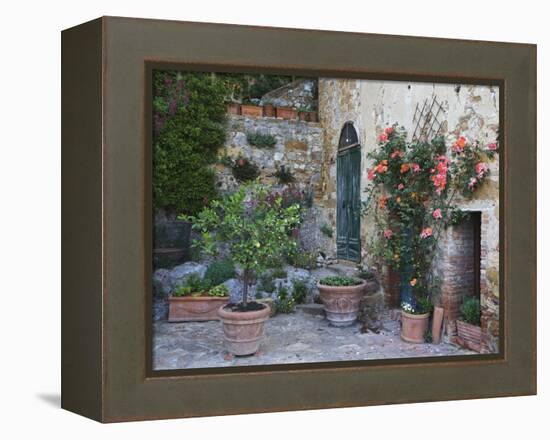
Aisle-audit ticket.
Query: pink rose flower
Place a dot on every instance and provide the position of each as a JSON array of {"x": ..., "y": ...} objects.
[
  {"x": 388, "y": 234},
  {"x": 383, "y": 137},
  {"x": 426, "y": 232},
  {"x": 415, "y": 168},
  {"x": 437, "y": 214},
  {"x": 492, "y": 146},
  {"x": 371, "y": 175},
  {"x": 389, "y": 130},
  {"x": 400, "y": 186}
]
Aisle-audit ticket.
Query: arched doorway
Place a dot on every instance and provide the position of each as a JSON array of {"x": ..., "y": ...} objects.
[{"x": 348, "y": 197}]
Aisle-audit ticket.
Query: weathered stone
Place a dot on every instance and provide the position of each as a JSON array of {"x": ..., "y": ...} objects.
[
  {"x": 312, "y": 309},
  {"x": 162, "y": 283},
  {"x": 296, "y": 145},
  {"x": 179, "y": 274}
]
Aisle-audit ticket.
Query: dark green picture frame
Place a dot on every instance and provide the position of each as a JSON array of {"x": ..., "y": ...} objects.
[{"x": 106, "y": 215}]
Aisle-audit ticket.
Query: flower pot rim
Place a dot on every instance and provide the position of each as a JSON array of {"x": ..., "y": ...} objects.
[
  {"x": 249, "y": 315},
  {"x": 197, "y": 298},
  {"x": 467, "y": 323},
  {"x": 355, "y": 286},
  {"x": 415, "y": 316}
]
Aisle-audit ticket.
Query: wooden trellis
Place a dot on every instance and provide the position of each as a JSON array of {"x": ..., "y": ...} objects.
[{"x": 428, "y": 120}]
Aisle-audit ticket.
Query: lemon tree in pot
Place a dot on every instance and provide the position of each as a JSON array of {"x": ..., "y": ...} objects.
[{"x": 256, "y": 228}]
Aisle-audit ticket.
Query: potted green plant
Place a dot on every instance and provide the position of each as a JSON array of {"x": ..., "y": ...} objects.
[
  {"x": 255, "y": 228},
  {"x": 415, "y": 320},
  {"x": 196, "y": 300},
  {"x": 340, "y": 297},
  {"x": 468, "y": 326}
]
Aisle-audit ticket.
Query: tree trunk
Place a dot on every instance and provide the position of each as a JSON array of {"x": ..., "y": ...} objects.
[{"x": 245, "y": 286}]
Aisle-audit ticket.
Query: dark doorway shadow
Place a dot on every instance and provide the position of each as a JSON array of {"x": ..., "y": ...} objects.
[{"x": 51, "y": 399}]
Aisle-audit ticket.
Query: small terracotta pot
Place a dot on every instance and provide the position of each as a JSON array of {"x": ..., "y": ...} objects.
[
  {"x": 234, "y": 108},
  {"x": 302, "y": 116},
  {"x": 341, "y": 302},
  {"x": 287, "y": 113},
  {"x": 252, "y": 110},
  {"x": 200, "y": 308},
  {"x": 414, "y": 327},
  {"x": 243, "y": 331},
  {"x": 312, "y": 117},
  {"x": 269, "y": 110},
  {"x": 468, "y": 335}
]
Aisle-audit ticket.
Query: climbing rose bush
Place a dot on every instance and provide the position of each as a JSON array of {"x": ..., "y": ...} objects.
[{"x": 411, "y": 189}]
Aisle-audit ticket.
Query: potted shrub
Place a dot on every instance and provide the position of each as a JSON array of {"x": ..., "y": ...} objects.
[
  {"x": 254, "y": 227},
  {"x": 248, "y": 108},
  {"x": 468, "y": 326},
  {"x": 415, "y": 319},
  {"x": 286, "y": 113},
  {"x": 196, "y": 301},
  {"x": 340, "y": 297}
]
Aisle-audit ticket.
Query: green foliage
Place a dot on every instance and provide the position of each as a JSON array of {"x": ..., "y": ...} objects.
[
  {"x": 247, "y": 87},
  {"x": 189, "y": 126},
  {"x": 470, "y": 311},
  {"x": 366, "y": 275},
  {"x": 339, "y": 281},
  {"x": 299, "y": 291},
  {"x": 182, "y": 291},
  {"x": 303, "y": 259},
  {"x": 220, "y": 271},
  {"x": 266, "y": 284},
  {"x": 254, "y": 227},
  {"x": 261, "y": 140},
  {"x": 244, "y": 170},
  {"x": 285, "y": 302},
  {"x": 279, "y": 272},
  {"x": 326, "y": 230},
  {"x": 220, "y": 290},
  {"x": 284, "y": 175},
  {"x": 193, "y": 286}
]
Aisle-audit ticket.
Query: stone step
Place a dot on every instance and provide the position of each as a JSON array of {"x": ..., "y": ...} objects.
[{"x": 311, "y": 309}]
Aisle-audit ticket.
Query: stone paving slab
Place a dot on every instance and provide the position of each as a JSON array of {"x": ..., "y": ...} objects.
[{"x": 294, "y": 338}]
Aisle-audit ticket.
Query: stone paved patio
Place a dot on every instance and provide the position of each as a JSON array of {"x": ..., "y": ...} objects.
[{"x": 293, "y": 338}]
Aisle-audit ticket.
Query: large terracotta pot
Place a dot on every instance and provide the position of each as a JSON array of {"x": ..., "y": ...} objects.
[
  {"x": 234, "y": 108},
  {"x": 287, "y": 113},
  {"x": 269, "y": 110},
  {"x": 414, "y": 327},
  {"x": 243, "y": 331},
  {"x": 468, "y": 335},
  {"x": 199, "y": 308},
  {"x": 341, "y": 302}
]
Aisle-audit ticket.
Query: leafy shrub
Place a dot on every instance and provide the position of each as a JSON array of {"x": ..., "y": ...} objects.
[
  {"x": 302, "y": 259},
  {"x": 299, "y": 291},
  {"x": 366, "y": 274},
  {"x": 470, "y": 311},
  {"x": 266, "y": 284},
  {"x": 284, "y": 175},
  {"x": 279, "y": 273},
  {"x": 285, "y": 301},
  {"x": 244, "y": 170},
  {"x": 220, "y": 290},
  {"x": 261, "y": 140},
  {"x": 326, "y": 229},
  {"x": 338, "y": 281},
  {"x": 220, "y": 271},
  {"x": 189, "y": 127}
]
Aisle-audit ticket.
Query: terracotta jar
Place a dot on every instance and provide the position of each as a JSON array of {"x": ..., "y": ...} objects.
[
  {"x": 252, "y": 110},
  {"x": 341, "y": 302},
  {"x": 234, "y": 108},
  {"x": 414, "y": 327},
  {"x": 468, "y": 335},
  {"x": 199, "y": 308},
  {"x": 243, "y": 331},
  {"x": 302, "y": 116}
]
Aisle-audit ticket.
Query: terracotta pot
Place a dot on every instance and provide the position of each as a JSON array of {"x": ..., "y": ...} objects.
[
  {"x": 234, "y": 108},
  {"x": 414, "y": 327},
  {"x": 468, "y": 335},
  {"x": 302, "y": 116},
  {"x": 286, "y": 113},
  {"x": 243, "y": 331},
  {"x": 341, "y": 302},
  {"x": 269, "y": 110},
  {"x": 252, "y": 110},
  {"x": 200, "y": 308},
  {"x": 312, "y": 117}
]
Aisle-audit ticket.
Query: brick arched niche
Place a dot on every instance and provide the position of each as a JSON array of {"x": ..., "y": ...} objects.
[{"x": 462, "y": 270}]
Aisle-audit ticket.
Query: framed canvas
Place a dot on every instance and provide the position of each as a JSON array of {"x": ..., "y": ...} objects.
[{"x": 358, "y": 215}]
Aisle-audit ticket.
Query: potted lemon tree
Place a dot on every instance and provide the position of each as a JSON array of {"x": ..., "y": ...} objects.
[{"x": 255, "y": 228}]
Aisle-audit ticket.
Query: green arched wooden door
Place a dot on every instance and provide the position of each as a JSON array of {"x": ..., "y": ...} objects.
[{"x": 348, "y": 195}]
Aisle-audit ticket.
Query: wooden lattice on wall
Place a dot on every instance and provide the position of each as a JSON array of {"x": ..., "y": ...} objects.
[{"x": 428, "y": 120}]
